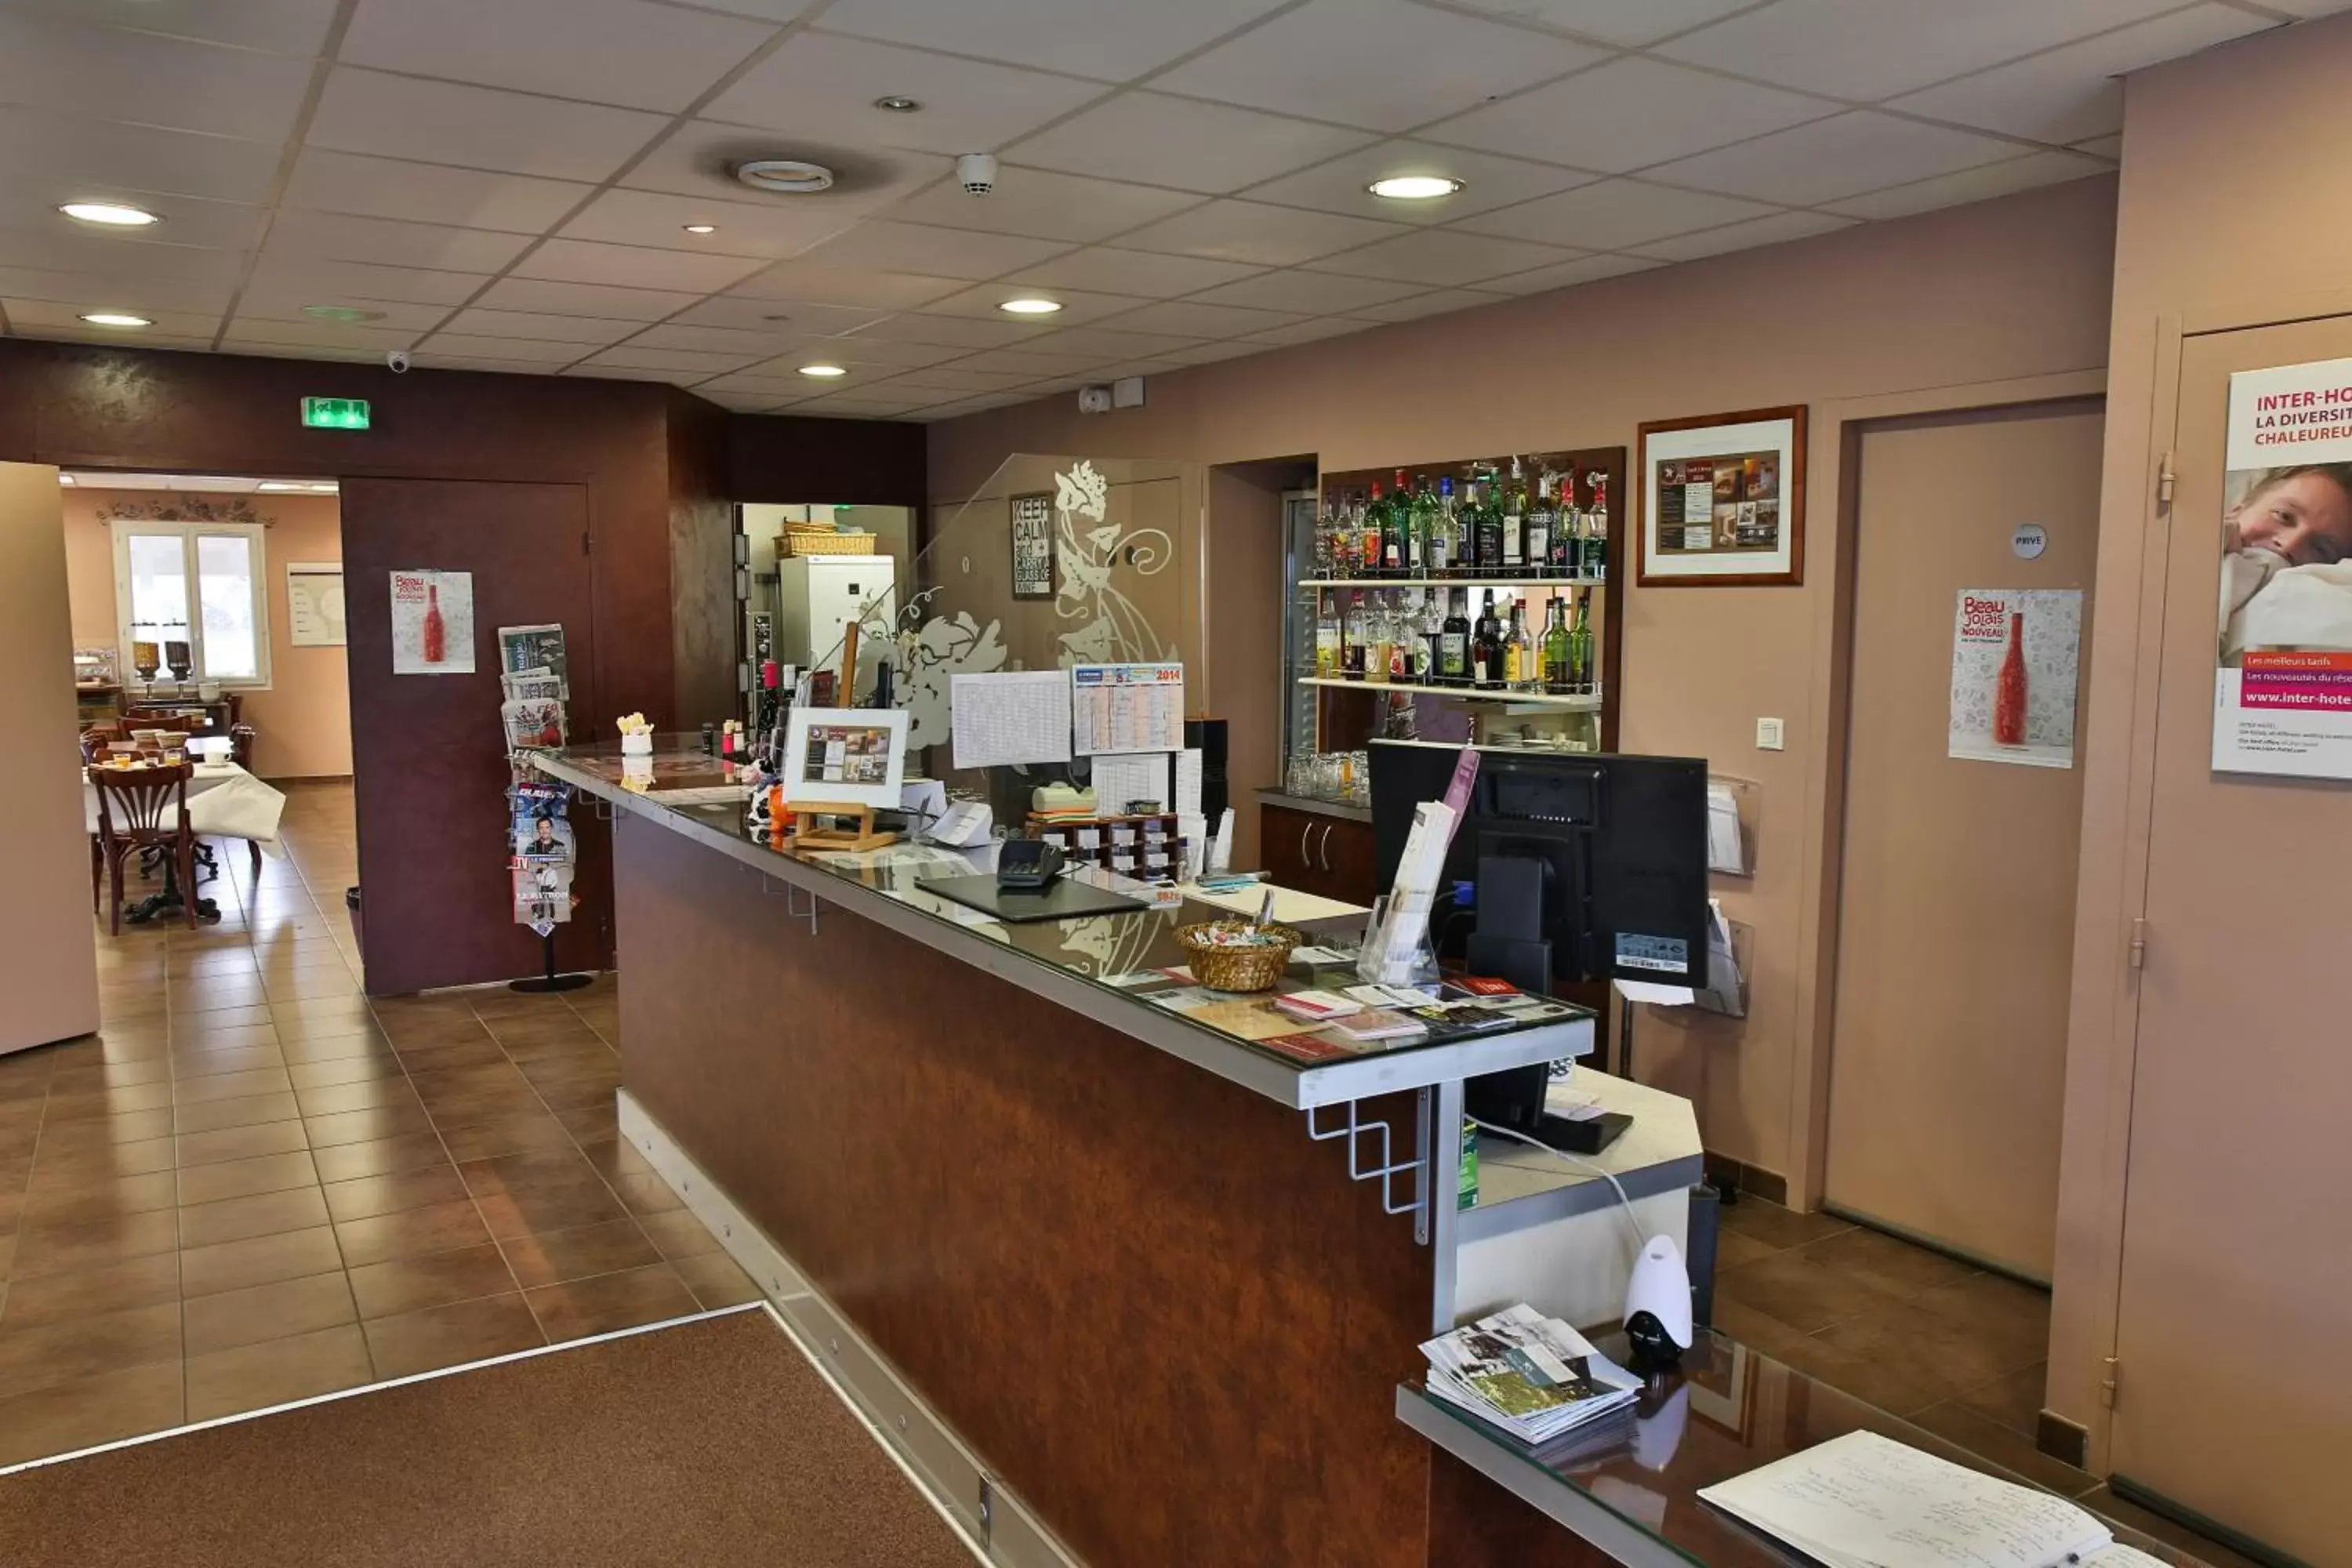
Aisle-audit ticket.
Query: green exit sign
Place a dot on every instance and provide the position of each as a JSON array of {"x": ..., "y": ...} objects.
[{"x": 335, "y": 413}]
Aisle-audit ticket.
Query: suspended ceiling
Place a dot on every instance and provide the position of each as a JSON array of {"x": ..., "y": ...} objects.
[{"x": 505, "y": 184}]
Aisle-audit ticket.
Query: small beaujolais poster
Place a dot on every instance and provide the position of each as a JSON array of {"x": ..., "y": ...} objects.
[
  {"x": 540, "y": 848},
  {"x": 2016, "y": 656}
]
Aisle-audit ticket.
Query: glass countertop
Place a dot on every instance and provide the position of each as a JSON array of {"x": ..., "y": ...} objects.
[
  {"x": 1725, "y": 1411},
  {"x": 1133, "y": 952}
]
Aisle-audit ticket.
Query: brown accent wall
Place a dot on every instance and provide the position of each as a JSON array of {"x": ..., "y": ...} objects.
[
  {"x": 657, "y": 467},
  {"x": 2228, "y": 216},
  {"x": 701, "y": 561},
  {"x": 2004, "y": 291}
]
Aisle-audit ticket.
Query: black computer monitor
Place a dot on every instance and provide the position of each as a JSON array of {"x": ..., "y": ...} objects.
[{"x": 1621, "y": 842}]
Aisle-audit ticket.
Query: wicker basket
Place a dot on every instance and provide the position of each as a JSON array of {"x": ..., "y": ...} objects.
[
  {"x": 825, "y": 541},
  {"x": 1236, "y": 968}
]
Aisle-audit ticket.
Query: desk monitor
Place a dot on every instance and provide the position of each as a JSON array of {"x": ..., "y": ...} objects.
[{"x": 1621, "y": 842}]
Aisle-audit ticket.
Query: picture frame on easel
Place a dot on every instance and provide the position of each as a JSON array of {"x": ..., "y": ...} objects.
[{"x": 1723, "y": 501}]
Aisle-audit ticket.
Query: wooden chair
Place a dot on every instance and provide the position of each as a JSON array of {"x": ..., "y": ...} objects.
[{"x": 139, "y": 810}]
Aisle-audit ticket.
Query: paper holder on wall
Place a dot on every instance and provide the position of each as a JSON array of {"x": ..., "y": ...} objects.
[{"x": 1733, "y": 807}]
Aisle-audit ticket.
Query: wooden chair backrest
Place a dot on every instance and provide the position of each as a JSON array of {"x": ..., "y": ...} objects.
[
  {"x": 240, "y": 745},
  {"x": 131, "y": 802},
  {"x": 178, "y": 723}
]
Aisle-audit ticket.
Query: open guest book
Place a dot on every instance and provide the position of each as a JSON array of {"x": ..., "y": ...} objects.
[{"x": 1863, "y": 1500}]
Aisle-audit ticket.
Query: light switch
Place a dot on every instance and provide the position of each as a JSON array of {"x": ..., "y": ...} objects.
[{"x": 1772, "y": 735}]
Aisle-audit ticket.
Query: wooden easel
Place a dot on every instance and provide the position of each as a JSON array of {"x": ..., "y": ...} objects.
[
  {"x": 804, "y": 812},
  {"x": 836, "y": 836}
]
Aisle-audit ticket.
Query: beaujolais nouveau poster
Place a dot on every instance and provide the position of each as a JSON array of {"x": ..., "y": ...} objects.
[{"x": 2283, "y": 682}]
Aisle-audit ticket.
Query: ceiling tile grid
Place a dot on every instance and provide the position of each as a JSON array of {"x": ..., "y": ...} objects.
[{"x": 547, "y": 186}]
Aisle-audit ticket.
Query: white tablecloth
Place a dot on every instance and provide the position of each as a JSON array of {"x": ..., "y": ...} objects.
[{"x": 224, "y": 802}]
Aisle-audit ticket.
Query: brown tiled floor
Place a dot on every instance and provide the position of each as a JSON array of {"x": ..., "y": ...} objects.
[
  {"x": 253, "y": 1185},
  {"x": 1950, "y": 1347}
]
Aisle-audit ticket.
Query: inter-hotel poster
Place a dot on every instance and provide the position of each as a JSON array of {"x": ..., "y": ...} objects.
[{"x": 2283, "y": 696}]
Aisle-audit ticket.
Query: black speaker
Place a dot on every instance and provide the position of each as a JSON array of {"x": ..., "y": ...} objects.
[{"x": 1208, "y": 737}]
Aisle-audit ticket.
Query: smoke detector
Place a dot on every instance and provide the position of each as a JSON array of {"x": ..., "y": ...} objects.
[
  {"x": 784, "y": 176},
  {"x": 976, "y": 171}
]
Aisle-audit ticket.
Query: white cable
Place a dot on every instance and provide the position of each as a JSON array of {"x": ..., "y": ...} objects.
[{"x": 1632, "y": 1220}]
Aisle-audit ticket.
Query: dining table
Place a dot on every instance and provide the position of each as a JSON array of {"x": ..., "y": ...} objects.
[{"x": 224, "y": 800}]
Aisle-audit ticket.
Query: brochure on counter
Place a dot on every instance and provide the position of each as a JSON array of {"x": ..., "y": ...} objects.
[{"x": 1532, "y": 1376}]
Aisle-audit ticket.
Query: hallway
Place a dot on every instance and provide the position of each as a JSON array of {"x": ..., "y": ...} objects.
[{"x": 253, "y": 1185}]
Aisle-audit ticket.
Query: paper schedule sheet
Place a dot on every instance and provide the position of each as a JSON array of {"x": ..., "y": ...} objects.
[
  {"x": 1128, "y": 707},
  {"x": 1019, "y": 715}
]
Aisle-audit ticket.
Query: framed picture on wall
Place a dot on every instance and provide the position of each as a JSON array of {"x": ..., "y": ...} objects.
[
  {"x": 1723, "y": 501},
  {"x": 1033, "y": 546}
]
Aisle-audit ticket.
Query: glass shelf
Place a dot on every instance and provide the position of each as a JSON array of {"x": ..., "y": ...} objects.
[{"x": 1588, "y": 702}]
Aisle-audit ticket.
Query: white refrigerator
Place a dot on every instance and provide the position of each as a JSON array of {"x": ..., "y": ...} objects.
[{"x": 48, "y": 944}]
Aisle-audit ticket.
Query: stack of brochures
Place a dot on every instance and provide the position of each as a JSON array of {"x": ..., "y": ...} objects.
[
  {"x": 1532, "y": 1376},
  {"x": 1864, "y": 1501}
]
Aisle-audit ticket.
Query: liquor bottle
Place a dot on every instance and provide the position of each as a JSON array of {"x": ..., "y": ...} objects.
[
  {"x": 2009, "y": 690},
  {"x": 1555, "y": 648},
  {"x": 1598, "y": 529},
  {"x": 1568, "y": 532},
  {"x": 1402, "y": 639},
  {"x": 1444, "y": 536},
  {"x": 1514, "y": 522},
  {"x": 1541, "y": 522},
  {"x": 1422, "y": 530},
  {"x": 1429, "y": 644},
  {"x": 1393, "y": 523},
  {"x": 1454, "y": 641},
  {"x": 1352, "y": 637},
  {"x": 1373, "y": 531},
  {"x": 437, "y": 631},
  {"x": 1379, "y": 638},
  {"x": 1326, "y": 636},
  {"x": 1487, "y": 521},
  {"x": 1487, "y": 646},
  {"x": 1519, "y": 651},
  {"x": 1581, "y": 673}
]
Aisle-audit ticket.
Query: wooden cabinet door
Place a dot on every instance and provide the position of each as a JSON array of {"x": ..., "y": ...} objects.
[
  {"x": 1344, "y": 860},
  {"x": 1286, "y": 843}
]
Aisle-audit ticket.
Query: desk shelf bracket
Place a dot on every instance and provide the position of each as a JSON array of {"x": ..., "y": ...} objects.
[{"x": 1371, "y": 1158}]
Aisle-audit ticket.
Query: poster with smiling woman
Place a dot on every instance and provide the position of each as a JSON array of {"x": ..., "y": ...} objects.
[{"x": 2282, "y": 686}]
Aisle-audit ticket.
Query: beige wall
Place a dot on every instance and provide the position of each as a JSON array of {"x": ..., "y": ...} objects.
[
  {"x": 1997, "y": 293},
  {"x": 2228, "y": 214},
  {"x": 48, "y": 950},
  {"x": 302, "y": 723}
]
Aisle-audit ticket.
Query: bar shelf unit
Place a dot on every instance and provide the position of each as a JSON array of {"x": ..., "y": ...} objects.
[{"x": 1329, "y": 714}]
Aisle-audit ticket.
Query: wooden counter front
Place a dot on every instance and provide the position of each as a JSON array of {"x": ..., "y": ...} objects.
[{"x": 1164, "y": 1318}]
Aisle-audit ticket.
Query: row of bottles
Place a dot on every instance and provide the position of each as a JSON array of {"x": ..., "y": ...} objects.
[
  {"x": 1412, "y": 636},
  {"x": 1497, "y": 529}
]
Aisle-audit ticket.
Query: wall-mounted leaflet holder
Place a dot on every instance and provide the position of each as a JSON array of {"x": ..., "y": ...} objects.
[
  {"x": 1730, "y": 955},
  {"x": 1732, "y": 805}
]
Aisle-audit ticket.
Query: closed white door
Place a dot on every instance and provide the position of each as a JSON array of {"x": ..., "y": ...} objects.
[
  {"x": 1957, "y": 890},
  {"x": 2237, "y": 1254}
]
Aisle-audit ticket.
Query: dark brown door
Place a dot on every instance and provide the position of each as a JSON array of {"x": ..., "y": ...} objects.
[
  {"x": 1286, "y": 840},
  {"x": 428, "y": 756}
]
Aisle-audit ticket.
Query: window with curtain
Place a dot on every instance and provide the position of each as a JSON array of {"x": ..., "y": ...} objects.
[{"x": 194, "y": 591}]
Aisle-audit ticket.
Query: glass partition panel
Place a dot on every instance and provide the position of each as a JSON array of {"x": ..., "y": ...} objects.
[{"x": 1054, "y": 562}]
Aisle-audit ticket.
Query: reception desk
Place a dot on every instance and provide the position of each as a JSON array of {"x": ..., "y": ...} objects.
[{"x": 1122, "y": 1285}]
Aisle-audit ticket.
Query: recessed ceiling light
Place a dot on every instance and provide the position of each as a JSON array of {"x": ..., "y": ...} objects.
[
  {"x": 700, "y": 227},
  {"x": 347, "y": 314},
  {"x": 827, "y": 371},
  {"x": 1030, "y": 306},
  {"x": 67, "y": 479},
  {"x": 1414, "y": 187},
  {"x": 894, "y": 104},
  {"x": 784, "y": 176},
  {"x": 115, "y": 319},
  {"x": 113, "y": 214}
]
